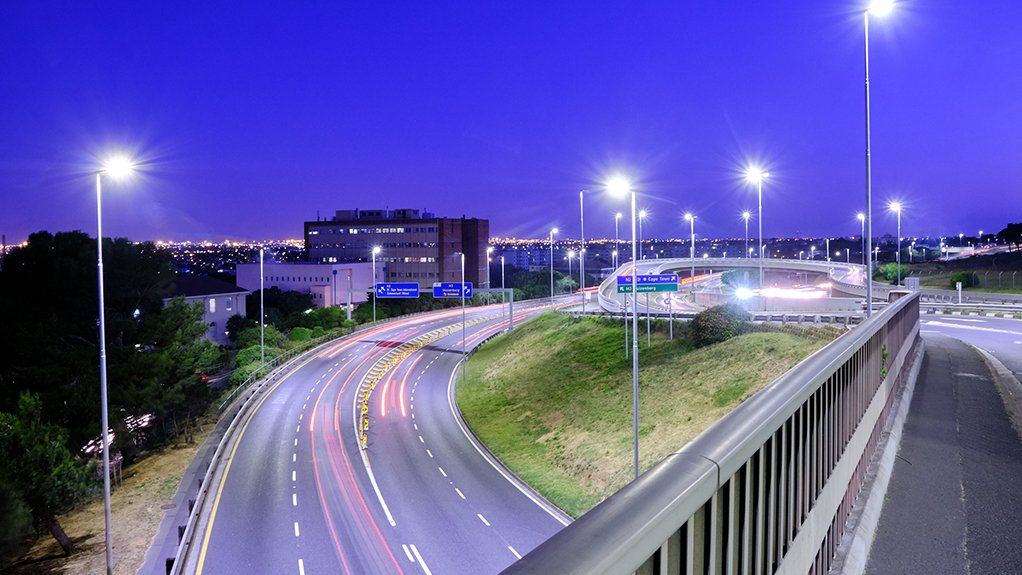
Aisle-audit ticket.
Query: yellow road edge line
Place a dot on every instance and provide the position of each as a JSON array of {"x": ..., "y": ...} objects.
[{"x": 227, "y": 470}]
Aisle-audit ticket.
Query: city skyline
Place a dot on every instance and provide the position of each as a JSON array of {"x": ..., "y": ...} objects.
[{"x": 248, "y": 124}]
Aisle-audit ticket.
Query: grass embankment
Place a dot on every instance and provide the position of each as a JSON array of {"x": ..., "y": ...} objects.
[
  {"x": 553, "y": 400},
  {"x": 136, "y": 512}
]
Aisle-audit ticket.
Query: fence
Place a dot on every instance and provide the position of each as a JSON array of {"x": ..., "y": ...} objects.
[{"x": 768, "y": 488}]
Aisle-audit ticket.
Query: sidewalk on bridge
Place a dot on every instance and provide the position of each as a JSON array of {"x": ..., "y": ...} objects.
[{"x": 954, "y": 500}]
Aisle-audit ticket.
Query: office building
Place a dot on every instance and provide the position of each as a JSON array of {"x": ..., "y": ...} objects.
[{"x": 415, "y": 246}]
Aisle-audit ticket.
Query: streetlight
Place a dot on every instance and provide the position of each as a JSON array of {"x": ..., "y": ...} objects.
[
  {"x": 745, "y": 216},
  {"x": 581, "y": 251},
  {"x": 896, "y": 207},
  {"x": 503, "y": 293},
  {"x": 117, "y": 168},
  {"x": 862, "y": 235},
  {"x": 489, "y": 250},
  {"x": 571, "y": 255},
  {"x": 756, "y": 176},
  {"x": 614, "y": 258},
  {"x": 552, "y": 232},
  {"x": 617, "y": 244},
  {"x": 879, "y": 8},
  {"x": 691, "y": 219},
  {"x": 812, "y": 252},
  {"x": 619, "y": 186},
  {"x": 960, "y": 236},
  {"x": 642, "y": 216},
  {"x": 376, "y": 250},
  {"x": 847, "y": 255},
  {"x": 800, "y": 252},
  {"x": 911, "y": 251}
]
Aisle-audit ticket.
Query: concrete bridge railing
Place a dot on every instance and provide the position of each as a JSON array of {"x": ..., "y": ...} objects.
[{"x": 768, "y": 488}]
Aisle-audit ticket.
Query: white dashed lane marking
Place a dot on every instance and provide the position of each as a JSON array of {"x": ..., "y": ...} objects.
[
  {"x": 460, "y": 494},
  {"x": 481, "y": 518},
  {"x": 296, "y": 529}
]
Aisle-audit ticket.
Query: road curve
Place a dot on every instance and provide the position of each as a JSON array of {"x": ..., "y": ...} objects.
[{"x": 299, "y": 495}]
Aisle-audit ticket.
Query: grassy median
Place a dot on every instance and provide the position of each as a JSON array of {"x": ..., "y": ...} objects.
[{"x": 553, "y": 400}]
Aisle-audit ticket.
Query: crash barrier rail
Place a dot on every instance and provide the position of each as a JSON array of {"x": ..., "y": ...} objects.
[{"x": 769, "y": 487}]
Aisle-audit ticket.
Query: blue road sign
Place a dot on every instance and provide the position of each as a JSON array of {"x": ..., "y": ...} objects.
[
  {"x": 385, "y": 290},
  {"x": 451, "y": 289},
  {"x": 650, "y": 279}
]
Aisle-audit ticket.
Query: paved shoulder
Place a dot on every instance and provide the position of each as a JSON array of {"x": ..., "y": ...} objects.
[{"x": 954, "y": 504}]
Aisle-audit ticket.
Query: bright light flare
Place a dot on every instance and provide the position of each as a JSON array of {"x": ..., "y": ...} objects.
[
  {"x": 755, "y": 174},
  {"x": 377, "y": 250},
  {"x": 689, "y": 217},
  {"x": 746, "y": 215},
  {"x": 860, "y": 216},
  {"x": 894, "y": 206},
  {"x": 744, "y": 293},
  {"x": 554, "y": 231},
  {"x": 118, "y": 167},
  {"x": 618, "y": 186},
  {"x": 881, "y": 7}
]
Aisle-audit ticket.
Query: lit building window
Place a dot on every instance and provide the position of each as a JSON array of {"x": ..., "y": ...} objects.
[{"x": 212, "y": 305}]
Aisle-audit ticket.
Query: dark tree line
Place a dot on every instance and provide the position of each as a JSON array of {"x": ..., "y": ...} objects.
[{"x": 49, "y": 354}]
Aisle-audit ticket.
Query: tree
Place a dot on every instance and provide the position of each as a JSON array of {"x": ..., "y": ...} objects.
[
  {"x": 39, "y": 467},
  {"x": 1011, "y": 235}
]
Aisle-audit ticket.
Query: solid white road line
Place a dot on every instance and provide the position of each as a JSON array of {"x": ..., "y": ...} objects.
[
  {"x": 513, "y": 551},
  {"x": 479, "y": 515},
  {"x": 421, "y": 562},
  {"x": 513, "y": 481},
  {"x": 408, "y": 553},
  {"x": 365, "y": 462}
]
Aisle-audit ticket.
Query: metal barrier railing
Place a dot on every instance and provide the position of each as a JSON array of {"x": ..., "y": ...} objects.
[{"x": 768, "y": 488}]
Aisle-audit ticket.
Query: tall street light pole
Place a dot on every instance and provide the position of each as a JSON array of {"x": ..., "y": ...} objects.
[
  {"x": 552, "y": 232},
  {"x": 879, "y": 8},
  {"x": 692, "y": 249},
  {"x": 489, "y": 251},
  {"x": 862, "y": 235},
  {"x": 619, "y": 186},
  {"x": 896, "y": 207},
  {"x": 262, "y": 313},
  {"x": 617, "y": 243},
  {"x": 571, "y": 256},
  {"x": 642, "y": 216},
  {"x": 756, "y": 176},
  {"x": 464, "y": 341},
  {"x": 116, "y": 168},
  {"x": 582, "y": 250},
  {"x": 745, "y": 216},
  {"x": 376, "y": 250},
  {"x": 503, "y": 294}
]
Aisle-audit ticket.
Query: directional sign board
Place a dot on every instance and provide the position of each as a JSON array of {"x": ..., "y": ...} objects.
[
  {"x": 648, "y": 283},
  {"x": 451, "y": 289},
  {"x": 385, "y": 290}
]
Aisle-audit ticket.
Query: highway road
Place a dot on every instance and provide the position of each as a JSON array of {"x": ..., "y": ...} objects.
[
  {"x": 299, "y": 495},
  {"x": 1001, "y": 337}
]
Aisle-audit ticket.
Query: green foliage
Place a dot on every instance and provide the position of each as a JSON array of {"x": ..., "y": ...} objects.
[
  {"x": 890, "y": 272},
  {"x": 237, "y": 324},
  {"x": 318, "y": 332},
  {"x": 253, "y": 355},
  {"x": 299, "y": 334},
  {"x": 49, "y": 345},
  {"x": 38, "y": 466},
  {"x": 968, "y": 280},
  {"x": 717, "y": 324},
  {"x": 250, "y": 337}
]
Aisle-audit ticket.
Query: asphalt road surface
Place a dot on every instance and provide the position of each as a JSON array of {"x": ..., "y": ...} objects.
[
  {"x": 953, "y": 503},
  {"x": 301, "y": 496}
]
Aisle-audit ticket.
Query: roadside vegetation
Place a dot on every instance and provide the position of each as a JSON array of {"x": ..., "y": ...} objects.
[{"x": 553, "y": 400}]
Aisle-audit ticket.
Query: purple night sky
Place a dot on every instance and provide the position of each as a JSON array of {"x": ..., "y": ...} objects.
[{"x": 250, "y": 120}]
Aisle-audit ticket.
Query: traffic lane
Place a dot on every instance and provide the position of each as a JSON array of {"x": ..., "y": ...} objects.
[
  {"x": 433, "y": 510},
  {"x": 1001, "y": 337},
  {"x": 253, "y": 527},
  {"x": 354, "y": 522},
  {"x": 452, "y": 531}
]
